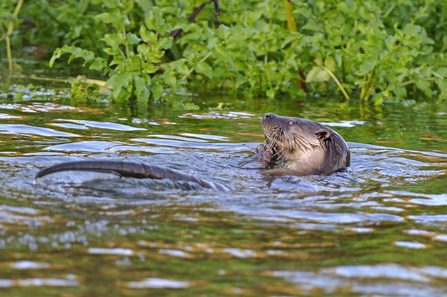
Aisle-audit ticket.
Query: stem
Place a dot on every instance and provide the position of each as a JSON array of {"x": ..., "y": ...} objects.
[
  {"x": 423, "y": 11},
  {"x": 127, "y": 46},
  {"x": 125, "y": 35},
  {"x": 362, "y": 93},
  {"x": 387, "y": 13},
  {"x": 9, "y": 32},
  {"x": 337, "y": 82},
  {"x": 8, "y": 53},
  {"x": 46, "y": 78},
  {"x": 291, "y": 24},
  {"x": 366, "y": 91},
  {"x": 412, "y": 81},
  {"x": 217, "y": 12},
  {"x": 11, "y": 22},
  {"x": 19, "y": 5}
]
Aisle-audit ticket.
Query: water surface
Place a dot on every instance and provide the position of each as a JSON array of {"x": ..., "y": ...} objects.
[{"x": 380, "y": 231}]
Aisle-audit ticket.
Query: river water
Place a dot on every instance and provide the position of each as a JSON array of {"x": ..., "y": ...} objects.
[{"x": 379, "y": 231}]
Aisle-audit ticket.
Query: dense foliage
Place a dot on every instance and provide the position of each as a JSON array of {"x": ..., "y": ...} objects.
[{"x": 366, "y": 49}]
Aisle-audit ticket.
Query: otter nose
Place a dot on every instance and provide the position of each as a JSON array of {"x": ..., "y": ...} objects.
[{"x": 268, "y": 115}]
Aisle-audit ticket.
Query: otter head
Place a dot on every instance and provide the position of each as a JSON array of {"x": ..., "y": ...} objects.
[{"x": 293, "y": 138}]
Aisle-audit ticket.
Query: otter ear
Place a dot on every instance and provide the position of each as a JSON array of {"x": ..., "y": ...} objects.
[{"x": 323, "y": 134}]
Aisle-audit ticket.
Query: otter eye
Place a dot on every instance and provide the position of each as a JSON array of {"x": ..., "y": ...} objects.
[{"x": 291, "y": 123}]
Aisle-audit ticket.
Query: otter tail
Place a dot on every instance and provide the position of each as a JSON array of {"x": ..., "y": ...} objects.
[{"x": 132, "y": 169}]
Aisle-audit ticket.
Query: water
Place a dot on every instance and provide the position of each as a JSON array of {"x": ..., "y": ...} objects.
[{"x": 380, "y": 231}]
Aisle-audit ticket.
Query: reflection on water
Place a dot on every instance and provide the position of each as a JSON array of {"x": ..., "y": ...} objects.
[
  {"x": 25, "y": 129},
  {"x": 28, "y": 265},
  {"x": 158, "y": 283},
  {"x": 38, "y": 282},
  {"x": 382, "y": 279},
  {"x": 379, "y": 231},
  {"x": 101, "y": 125}
]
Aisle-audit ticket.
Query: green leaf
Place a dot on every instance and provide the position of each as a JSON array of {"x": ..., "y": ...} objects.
[
  {"x": 98, "y": 64},
  {"x": 112, "y": 4},
  {"x": 115, "y": 40},
  {"x": 424, "y": 86},
  {"x": 318, "y": 59},
  {"x": 442, "y": 85},
  {"x": 398, "y": 32},
  {"x": 157, "y": 91},
  {"x": 401, "y": 92},
  {"x": 411, "y": 30},
  {"x": 119, "y": 81},
  {"x": 56, "y": 55},
  {"x": 133, "y": 39},
  {"x": 292, "y": 62},
  {"x": 145, "y": 4},
  {"x": 238, "y": 33},
  {"x": 140, "y": 83},
  {"x": 147, "y": 36},
  {"x": 154, "y": 21},
  {"x": 390, "y": 42},
  {"x": 114, "y": 18},
  {"x": 170, "y": 78},
  {"x": 378, "y": 99},
  {"x": 239, "y": 81},
  {"x": 313, "y": 26},
  {"x": 141, "y": 90},
  {"x": 165, "y": 43},
  {"x": 112, "y": 51},
  {"x": 204, "y": 68},
  {"x": 270, "y": 93},
  {"x": 366, "y": 68},
  {"x": 180, "y": 66},
  {"x": 222, "y": 53},
  {"x": 223, "y": 32},
  {"x": 106, "y": 17},
  {"x": 75, "y": 52},
  {"x": 347, "y": 8},
  {"x": 330, "y": 64},
  {"x": 317, "y": 74}
]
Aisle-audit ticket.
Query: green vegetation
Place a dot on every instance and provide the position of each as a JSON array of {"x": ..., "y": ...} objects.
[
  {"x": 367, "y": 50},
  {"x": 7, "y": 22}
]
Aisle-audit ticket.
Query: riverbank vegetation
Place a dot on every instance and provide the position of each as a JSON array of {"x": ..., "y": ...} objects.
[{"x": 373, "y": 50}]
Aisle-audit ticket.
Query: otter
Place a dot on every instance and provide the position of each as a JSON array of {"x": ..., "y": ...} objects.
[{"x": 302, "y": 146}]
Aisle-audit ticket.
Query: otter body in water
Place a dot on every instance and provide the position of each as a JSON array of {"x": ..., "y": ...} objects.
[{"x": 303, "y": 146}]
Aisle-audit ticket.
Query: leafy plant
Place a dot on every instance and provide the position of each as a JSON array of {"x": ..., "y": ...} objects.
[
  {"x": 363, "y": 49},
  {"x": 381, "y": 59},
  {"x": 135, "y": 57}
]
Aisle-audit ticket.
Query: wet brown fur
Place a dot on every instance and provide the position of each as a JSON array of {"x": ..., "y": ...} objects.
[{"x": 303, "y": 146}]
